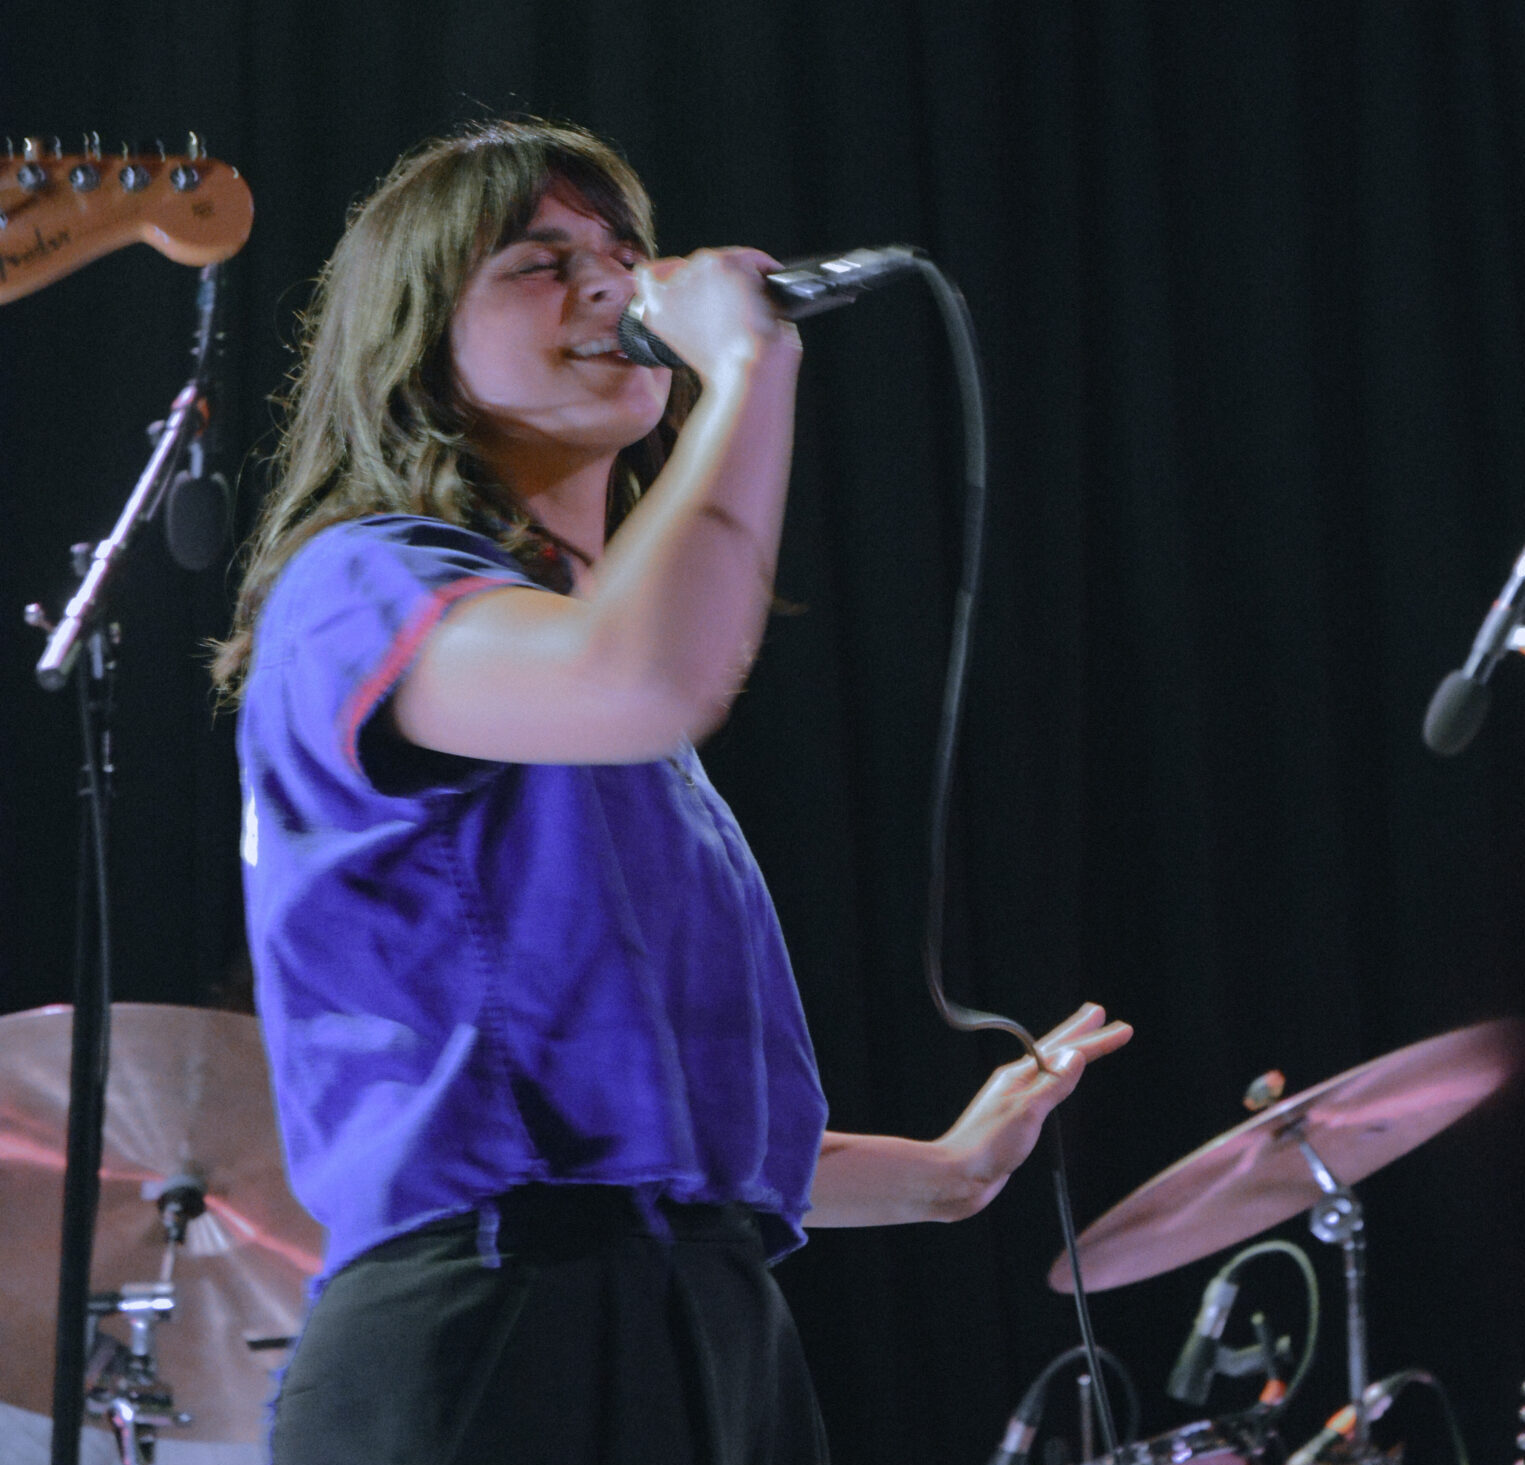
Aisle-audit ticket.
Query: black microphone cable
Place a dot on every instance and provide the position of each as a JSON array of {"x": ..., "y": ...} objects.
[{"x": 959, "y": 326}]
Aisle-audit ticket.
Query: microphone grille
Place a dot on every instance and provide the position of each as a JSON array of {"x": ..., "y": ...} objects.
[{"x": 1455, "y": 714}]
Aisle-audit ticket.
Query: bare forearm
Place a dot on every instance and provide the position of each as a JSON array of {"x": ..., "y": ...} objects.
[
  {"x": 882, "y": 1180},
  {"x": 683, "y": 590}
]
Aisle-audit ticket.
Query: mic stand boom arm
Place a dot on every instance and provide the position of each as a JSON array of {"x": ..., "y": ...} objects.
[{"x": 186, "y": 418}]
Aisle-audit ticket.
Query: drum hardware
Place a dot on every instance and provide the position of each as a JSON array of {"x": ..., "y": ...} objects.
[
  {"x": 1338, "y": 1221},
  {"x": 1264, "y": 1356},
  {"x": 1085, "y": 1403},
  {"x": 1255, "y": 1176},
  {"x": 193, "y": 1195},
  {"x": 1198, "y": 1443},
  {"x": 122, "y": 1384},
  {"x": 1022, "y": 1428},
  {"x": 1334, "y": 1442},
  {"x": 1295, "y": 1154},
  {"x": 1203, "y": 1355}
]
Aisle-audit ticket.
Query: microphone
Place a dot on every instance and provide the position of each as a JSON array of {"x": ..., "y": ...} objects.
[
  {"x": 196, "y": 512},
  {"x": 802, "y": 287},
  {"x": 1376, "y": 1397},
  {"x": 1022, "y": 1427},
  {"x": 1460, "y": 702},
  {"x": 1192, "y": 1376}
]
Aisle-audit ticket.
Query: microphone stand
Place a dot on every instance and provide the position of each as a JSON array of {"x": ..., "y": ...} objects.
[{"x": 80, "y": 627}]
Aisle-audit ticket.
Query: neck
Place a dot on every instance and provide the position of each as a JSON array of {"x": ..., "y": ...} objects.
[{"x": 565, "y": 493}]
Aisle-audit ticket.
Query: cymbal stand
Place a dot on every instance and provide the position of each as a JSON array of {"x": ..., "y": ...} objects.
[
  {"x": 122, "y": 1381},
  {"x": 1338, "y": 1218}
]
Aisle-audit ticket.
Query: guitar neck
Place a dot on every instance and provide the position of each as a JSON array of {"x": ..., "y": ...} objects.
[{"x": 58, "y": 212}]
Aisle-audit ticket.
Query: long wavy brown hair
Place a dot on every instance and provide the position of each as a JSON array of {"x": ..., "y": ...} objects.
[{"x": 373, "y": 421}]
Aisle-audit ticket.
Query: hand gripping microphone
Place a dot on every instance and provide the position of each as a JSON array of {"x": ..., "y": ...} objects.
[
  {"x": 804, "y": 287},
  {"x": 1460, "y": 702}
]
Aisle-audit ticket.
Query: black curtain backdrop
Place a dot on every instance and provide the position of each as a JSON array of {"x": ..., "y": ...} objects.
[{"x": 1248, "y": 284}]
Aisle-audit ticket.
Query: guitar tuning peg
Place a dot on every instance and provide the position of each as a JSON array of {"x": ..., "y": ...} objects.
[
  {"x": 10, "y": 150},
  {"x": 58, "y": 147},
  {"x": 159, "y": 148},
  {"x": 134, "y": 177},
  {"x": 92, "y": 146},
  {"x": 31, "y": 175},
  {"x": 194, "y": 147}
]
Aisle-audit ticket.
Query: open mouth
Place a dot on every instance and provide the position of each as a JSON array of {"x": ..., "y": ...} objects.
[{"x": 601, "y": 348}]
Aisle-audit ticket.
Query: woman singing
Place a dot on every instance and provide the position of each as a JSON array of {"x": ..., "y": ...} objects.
[{"x": 539, "y": 1062}]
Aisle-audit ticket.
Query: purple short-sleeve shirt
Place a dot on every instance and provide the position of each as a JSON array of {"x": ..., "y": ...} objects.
[{"x": 475, "y": 975}]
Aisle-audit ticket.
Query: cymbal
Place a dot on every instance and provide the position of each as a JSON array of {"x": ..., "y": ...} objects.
[
  {"x": 188, "y": 1088},
  {"x": 1255, "y": 1176}
]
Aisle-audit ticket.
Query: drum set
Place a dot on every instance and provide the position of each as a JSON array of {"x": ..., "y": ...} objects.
[
  {"x": 1302, "y": 1153},
  {"x": 202, "y": 1255}
]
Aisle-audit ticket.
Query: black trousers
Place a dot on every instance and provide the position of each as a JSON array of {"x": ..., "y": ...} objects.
[{"x": 581, "y": 1335}]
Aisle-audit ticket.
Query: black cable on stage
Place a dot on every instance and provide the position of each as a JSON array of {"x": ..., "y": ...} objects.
[
  {"x": 966, "y": 365},
  {"x": 1082, "y": 1305}
]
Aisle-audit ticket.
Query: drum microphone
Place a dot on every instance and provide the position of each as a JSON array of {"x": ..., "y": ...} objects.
[
  {"x": 1460, "y": 702},
  {"x": 1376, "y": 1397},
  {"x": 803, "y": 287},
  {"x": 1022, "y": 1427},
  {"x": 1192, "y": 1376}
]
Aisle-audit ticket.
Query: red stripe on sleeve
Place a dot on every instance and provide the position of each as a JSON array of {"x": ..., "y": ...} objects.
[{"x": 363, "y": 701}]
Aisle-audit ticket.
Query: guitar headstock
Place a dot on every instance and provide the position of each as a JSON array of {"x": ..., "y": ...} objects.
[{"x": 59, "y": 211}]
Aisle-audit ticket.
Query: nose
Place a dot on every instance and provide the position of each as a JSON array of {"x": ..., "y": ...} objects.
[{"x": 599, "y": 279}]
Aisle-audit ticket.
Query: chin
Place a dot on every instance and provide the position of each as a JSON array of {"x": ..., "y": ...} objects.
[{"x": 642, "y": 419}]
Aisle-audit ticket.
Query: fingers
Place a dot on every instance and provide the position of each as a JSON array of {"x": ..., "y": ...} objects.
[
  {"x": 1086, "y": 1018},
  {"x": 710, "y": 307},
  {"x": 665, "y": 266},
  {"x": 759, "y": 259},
  {"x": 1059, "y": 1082},
  {"x": 1085, "y": 1032},
  {"x": 1088, "y": 1030}
]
